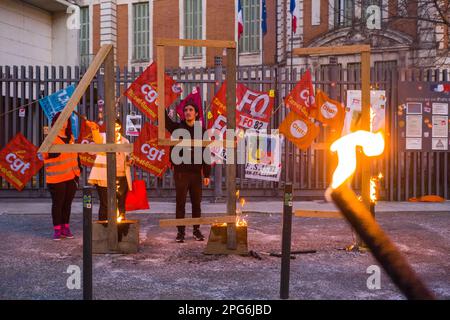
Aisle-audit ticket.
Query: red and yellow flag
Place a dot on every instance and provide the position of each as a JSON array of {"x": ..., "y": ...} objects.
[
  {"x": 300, "y": 131},
  {"x": 301, "y": 98}
]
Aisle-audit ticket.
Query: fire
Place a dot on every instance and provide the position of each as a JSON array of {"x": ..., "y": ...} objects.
[
  {"x": 242, "y": 202},
  {"x": 373, "y": 190},
  {"x": 373, "y": 187},
  {"x": 119, "y": 217},
  {"x": 240, "y": 222},
  {"x": 372, "y": 145}
]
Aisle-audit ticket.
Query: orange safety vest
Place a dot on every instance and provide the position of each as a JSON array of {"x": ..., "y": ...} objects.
[{"x": 62, "y": 168}]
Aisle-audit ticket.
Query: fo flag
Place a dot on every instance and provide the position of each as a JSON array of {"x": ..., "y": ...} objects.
[
  {"x": 143, "y": 92},
  {"x": 87, "y": 159},
  {"x": 56, "y": 102},
  {"x": 254, "y": 108},
  {"x": 19, "y": 161},
  {"x": 301, "y": 98},
  {"x": 329, "y": 112},
  {"x": 298, "y": 130},
  {"x": 148, "y": 155}
]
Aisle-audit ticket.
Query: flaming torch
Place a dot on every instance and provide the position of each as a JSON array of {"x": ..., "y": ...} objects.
[{"x": 362, "y": 220}]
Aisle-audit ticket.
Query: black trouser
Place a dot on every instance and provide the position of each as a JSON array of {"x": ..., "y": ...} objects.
[
  {"x": 184, "y": 182},
  {"x": 121, "y": 194},
  {"x": 62, "y": 197}
]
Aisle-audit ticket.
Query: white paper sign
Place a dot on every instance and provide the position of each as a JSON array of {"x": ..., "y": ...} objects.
[
  {"x": 134, "y": 124},
  {"x": 413, "y": 143},
  {"x": 439, "y": 144},
  {"x": 440, "y": 126},
  {"x": 413, "y": 126}
]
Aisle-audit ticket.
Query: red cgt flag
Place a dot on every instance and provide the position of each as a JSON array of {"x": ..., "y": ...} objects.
[
  {"x": 19, "y": 161},
  {"x": 87, "y": 159},
  {"x": 143, "y": 92},
  {"x": 148, "y": 155},
  {"x": 301, "y": 98}
]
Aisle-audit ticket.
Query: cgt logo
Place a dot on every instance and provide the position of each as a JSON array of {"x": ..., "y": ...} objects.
[
  {"x": 307, "y": 98},
  {"x": 17, "y": 164},
  {"x": 299, "y": 129},
  {"x": 152, "y": 153},
  {"x": 328, "y": 110},
  {"x": 150, "y": 94}
]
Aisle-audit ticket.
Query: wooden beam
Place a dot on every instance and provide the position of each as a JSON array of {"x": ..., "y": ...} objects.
[
  {"x": 111, "y": 156},
  {"x": 160, "y": 67},
  {"x": 76, "y": 96},
  {"x": 365, "y": 124},
  {"x": 197, "y": 143},
  {"x": 317, "y": 214},
  {"x": 194, "y": 221},
  {"x": 108, "y": 147},
  {"x": 231, "y": 165},
  {"x": 195, "y": 43},
  {"x": 333, "y": 50}
]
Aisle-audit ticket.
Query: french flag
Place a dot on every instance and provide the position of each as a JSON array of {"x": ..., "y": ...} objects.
[
  {"x": 240, "y": 20},
  {"x": 295, "y": 12}
]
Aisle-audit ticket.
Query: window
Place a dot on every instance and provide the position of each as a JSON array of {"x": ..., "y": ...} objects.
[
  {"x": 141, "y": 33},
  {"x": 250, "y": 39},
  {"x": 344, "y": 13},
  {"x": 84, "y": 37},
  {"x": 192, "y": 26}
]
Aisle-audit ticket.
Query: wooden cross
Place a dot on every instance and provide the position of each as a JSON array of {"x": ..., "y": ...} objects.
[{"x": 104, "y": 56}]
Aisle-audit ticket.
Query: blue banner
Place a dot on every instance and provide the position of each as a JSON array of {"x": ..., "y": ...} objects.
[{"x": 56, "y": 102}]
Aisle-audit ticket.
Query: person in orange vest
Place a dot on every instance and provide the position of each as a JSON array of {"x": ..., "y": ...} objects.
[
  {"x": 98, "y": 176},
  {"x": 62, "y": 176}
]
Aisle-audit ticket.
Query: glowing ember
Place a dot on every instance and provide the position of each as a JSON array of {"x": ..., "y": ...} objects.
[
  {"x": 240, "y": 222},
  {"x": 242, "y": 202},
  {"x": 373, "y": 190},
  {"x": 372, "y": 145}
]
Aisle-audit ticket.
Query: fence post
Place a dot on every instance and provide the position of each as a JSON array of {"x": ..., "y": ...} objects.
[
  {"x": 87, "y": 243},
  {"x": 218, "y": 167},
  {"x": 286, "y": 241}
]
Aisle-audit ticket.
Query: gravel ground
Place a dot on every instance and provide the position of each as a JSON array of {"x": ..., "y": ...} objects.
[{"x": 32, "y": 266}]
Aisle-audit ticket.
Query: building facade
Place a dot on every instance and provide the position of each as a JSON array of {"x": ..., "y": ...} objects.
[
  {"x": 133, "y": 25},
  {"x": 36, "y": 32},
  {"x": 398, "y": 31}
]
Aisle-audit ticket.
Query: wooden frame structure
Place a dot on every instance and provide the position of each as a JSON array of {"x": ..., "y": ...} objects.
[
  {"x": 364, "y": 51},
  {"x": 230, "y": 47},
  {"x": 104, "y": 56}
]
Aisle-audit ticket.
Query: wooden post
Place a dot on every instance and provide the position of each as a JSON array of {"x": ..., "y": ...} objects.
[
  {"x": 231, "y": 163},
  {"x": 365, "y": 124},
  {"x": 111, "y": 156}
]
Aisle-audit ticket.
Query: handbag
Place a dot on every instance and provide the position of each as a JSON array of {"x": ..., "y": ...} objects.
[{"x": 137, "y": 198}]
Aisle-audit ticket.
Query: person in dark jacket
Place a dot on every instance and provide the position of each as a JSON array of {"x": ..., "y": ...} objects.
[{"x": 188, "y": 174}]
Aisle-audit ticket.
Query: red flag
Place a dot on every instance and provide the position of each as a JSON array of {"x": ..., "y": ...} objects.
[
  {"x": 254, "y": 108},
  {"x": 301, "y": 98},
  {"x": 19, "y": 161},
  {"x": 143, "y": 92},
  {"x": 87, "y": 159},
  {"x": 148, "y": 154}
]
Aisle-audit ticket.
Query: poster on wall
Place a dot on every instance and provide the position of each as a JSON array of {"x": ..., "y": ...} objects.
[
  {"x": 423, "y": 116},
  {"x": 378, "y": 106}
]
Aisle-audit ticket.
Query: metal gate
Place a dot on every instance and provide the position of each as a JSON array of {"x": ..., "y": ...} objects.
[{"x": 406, "y": 174}]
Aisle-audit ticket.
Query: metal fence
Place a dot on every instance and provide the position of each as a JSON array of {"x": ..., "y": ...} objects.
[{"x": 406, "y": 174}]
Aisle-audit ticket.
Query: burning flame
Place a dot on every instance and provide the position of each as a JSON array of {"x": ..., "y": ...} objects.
[
  {"x": 372, "y": 145},
  {"x": 119, "y": 217},
  {"x": 373, "y": 190},
  {"x": 240, "y": 222}
]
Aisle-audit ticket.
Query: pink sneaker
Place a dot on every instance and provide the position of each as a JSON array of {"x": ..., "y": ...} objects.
[
  {"x": 57, "y": 235},
  {"x": 65, "y": 232}
]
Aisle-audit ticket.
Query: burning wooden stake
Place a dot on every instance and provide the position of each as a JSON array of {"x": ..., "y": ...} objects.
[
  {"x": 383, "y": 249},
  {"x": 127, "y": 237}
]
